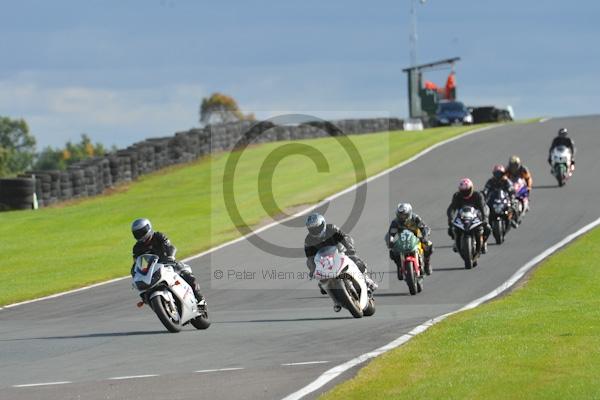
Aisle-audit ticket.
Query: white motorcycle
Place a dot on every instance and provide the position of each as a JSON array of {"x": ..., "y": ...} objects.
[
  {"x": 342, "y": 280},
  {"x": 168, "y": 294},
  {"x": 560, "y": 158}
]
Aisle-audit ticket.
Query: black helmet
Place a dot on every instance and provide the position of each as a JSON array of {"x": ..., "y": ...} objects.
[
  {"x": 142, "y": 229},
  {"x": 498, "y": 171},
  {"x": 563, "y": 132},
  {"x": 316, "y": 225}
]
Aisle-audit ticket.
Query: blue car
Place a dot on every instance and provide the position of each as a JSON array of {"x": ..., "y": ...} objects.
[{"x": 452, "y": 112}]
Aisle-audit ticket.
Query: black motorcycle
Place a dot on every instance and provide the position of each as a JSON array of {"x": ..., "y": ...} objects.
[
  {"x": 500, "y": 214},
  {"x": 468, "y": 235}
]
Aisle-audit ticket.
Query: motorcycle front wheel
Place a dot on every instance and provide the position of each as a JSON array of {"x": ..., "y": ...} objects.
[
  {"x": 410, "y": 278},
  {"x": 498, "y": 230},
  {"x": 561, "y": 173},
  {"x": 466, "y": 250},
  {"x": 344, "y": 297},
  {"x": 168, "y": 318}
]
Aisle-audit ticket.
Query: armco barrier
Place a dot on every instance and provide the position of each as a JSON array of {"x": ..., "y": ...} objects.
[{"x": 92, "y": 177}]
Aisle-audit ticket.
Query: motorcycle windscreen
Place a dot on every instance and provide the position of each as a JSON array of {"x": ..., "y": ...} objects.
[
  {"x": 328, "y": 262},
  {"x": 407, "y": 242},
  {"x": 561, "y": 154},
  {"x": 144, "y": 262}
]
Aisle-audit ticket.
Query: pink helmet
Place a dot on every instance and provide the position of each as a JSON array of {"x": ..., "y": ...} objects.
[{"x": 465, "y": 187}]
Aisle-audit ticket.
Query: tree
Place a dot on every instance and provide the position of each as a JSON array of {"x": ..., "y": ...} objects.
[
  {"x": 52, "y": 159},
  {"x": 220, "y": 108},
  {"x": 17, "y": 146}
]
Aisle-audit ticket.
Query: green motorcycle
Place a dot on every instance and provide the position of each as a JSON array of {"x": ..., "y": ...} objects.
[{"x": 410, "y": 251}]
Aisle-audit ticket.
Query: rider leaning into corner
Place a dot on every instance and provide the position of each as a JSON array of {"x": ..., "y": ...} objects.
[
  {"x": 322, "y": 234},
  {"x": 563, "y": 140},
  {"x": 467, "y": 196},
  {"x": 150, "y": 242},
  {"x": 517, "y": 170},
  {"x": 407, "y": 219},
  {"x": 499, "y": 181}
]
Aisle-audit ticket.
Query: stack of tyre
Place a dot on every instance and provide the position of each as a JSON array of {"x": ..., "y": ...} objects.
[
  {"x": 204, "y": 143},
  {"x": 125, "y": 170},
  {"x": 219, "y": 137},
  {"x": 105, "y": 171},
  {"x": 78, "y": 182},
  {"x": 146, "y": 157},
  {"x": 66, "y": 186},
  {"x": 17, "y": 194},
  {"x": 43, "y": 187},
  {"x": 161, "y": 158},
  {"x": 93, "y": 184}
]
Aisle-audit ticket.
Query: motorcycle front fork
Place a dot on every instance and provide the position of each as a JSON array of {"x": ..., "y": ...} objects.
[{"x": 478, "y": 241}]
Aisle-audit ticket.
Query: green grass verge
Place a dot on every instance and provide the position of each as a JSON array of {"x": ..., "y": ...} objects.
[
  {"x": 69, "y": 246},
  {"x": 539, "y": 342}
]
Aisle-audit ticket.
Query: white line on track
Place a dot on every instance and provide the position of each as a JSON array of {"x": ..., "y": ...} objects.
[
  {"x": 544, "y": 120},
  {"x": 120, "y": 378},
  {"x": 219, "y": 370},
  {"x": 336, "y": 371},
  {"x": 62, "y": 293},
  {"x": 305, "y": 363},
  {"x": 42, "y": 384},
  {"x": 299, "y": 213}
]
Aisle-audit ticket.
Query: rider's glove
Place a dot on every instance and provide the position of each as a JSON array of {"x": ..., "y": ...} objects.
[{"x": 171, "y": 259}]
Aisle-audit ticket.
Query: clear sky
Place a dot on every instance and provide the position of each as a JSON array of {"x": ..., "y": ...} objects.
[{"x": 122, "y": 71}]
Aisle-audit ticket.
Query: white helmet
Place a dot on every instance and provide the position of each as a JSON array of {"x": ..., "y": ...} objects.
[
  {"x": 403, "y": 211},
  {"x": 142, "y": 229},
  {"x": 316, "y": 225}
]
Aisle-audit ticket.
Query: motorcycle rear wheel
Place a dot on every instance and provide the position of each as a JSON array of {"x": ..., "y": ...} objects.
[
  {"x": 201, "y": 322},
  {"x": 370, "y": 308}
]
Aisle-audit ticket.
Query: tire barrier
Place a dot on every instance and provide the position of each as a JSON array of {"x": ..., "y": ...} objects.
[
  {"x": 92, "y": 177},
  {"x": 17, "y": 194}
]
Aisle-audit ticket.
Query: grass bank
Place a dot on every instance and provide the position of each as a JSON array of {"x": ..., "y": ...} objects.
[
  {"x": 72, "y": 245},
  {"x": 539, "y": 342}
]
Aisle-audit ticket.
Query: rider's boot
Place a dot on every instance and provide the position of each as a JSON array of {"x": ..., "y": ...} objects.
[
  {"x": 399, "y": 266},
  {"x": 428, "y": 265},
  {"x": 513, "y": 221},
  {"x": 323, "y": 292},
  {"x": 371, "y": 285},
  {"x": 198, "y": 295}
]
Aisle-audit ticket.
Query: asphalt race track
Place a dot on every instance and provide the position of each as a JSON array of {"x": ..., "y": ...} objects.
[{"x": 261, "y": 324}]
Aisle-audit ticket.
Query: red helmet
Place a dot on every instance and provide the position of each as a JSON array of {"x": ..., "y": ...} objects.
[
  {"x": 499, "y": 171},
  {"x": 465, "y": 187}
]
